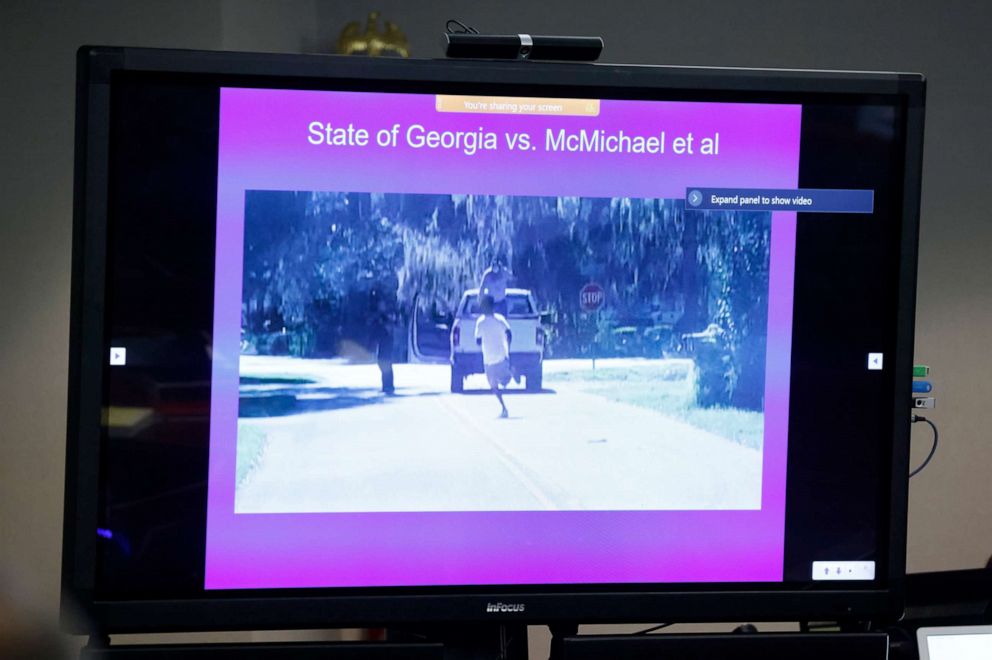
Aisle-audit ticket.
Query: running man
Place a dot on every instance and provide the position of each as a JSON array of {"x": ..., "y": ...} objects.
[{"x": 492, "y": 333}]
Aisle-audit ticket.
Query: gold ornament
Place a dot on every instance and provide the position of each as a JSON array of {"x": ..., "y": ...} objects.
[{"x": 391, "y": 42}]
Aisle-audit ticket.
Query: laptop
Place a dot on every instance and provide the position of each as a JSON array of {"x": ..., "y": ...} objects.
[{"x": 955, "y": 643}]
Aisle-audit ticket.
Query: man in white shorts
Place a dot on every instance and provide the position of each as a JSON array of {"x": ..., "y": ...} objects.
[{"x": 492, "y": 333}]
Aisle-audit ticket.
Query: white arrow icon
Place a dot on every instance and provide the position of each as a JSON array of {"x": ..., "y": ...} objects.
[{"x": 118, "y": 356}]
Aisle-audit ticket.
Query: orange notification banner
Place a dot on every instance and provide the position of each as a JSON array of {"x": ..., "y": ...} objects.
[{"x": 517, "y": 105}]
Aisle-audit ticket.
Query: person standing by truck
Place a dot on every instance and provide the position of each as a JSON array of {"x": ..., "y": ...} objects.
[
  {"x": 381, "y": 324},
  {"x": 494, "y": 282},
  {"x": 492, "y": 333}
]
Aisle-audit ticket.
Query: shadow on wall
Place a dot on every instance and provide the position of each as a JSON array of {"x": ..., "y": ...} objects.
[{"x": 26, "y": 635}]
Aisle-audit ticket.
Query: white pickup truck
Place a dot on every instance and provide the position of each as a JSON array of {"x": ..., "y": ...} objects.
[{"x": 526, "y": 348}]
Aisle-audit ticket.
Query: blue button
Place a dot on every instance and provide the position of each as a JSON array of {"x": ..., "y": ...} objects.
[{"x": 806, "y": 200}]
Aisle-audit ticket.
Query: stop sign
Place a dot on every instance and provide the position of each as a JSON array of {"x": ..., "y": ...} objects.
[{"x": 591, "y": 297}]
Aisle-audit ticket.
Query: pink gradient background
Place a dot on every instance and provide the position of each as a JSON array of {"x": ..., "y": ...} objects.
[{"x": 263, "y": 146}]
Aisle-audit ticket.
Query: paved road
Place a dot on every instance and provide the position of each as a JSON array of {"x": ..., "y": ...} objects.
[{"x": 428, "y": 450}]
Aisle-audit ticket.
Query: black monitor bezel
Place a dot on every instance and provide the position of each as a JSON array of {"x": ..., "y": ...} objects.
[{"x": 97, "y": 66}]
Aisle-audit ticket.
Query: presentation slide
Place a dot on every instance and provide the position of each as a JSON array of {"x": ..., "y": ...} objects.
[{"x": 466, "y": 340}]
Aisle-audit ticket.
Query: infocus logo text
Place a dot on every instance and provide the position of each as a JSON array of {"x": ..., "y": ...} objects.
[{"x": 504, "y": 607}]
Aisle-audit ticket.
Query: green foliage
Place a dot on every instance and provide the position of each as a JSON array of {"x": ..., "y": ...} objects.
[{"x": 734, "y": 250}]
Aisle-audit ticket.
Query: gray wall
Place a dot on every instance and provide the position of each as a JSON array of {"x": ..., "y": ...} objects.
[{"x": 950, "y": 520}]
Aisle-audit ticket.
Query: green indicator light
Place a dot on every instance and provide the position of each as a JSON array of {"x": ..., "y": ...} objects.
[{"x": 921, "y": 371}]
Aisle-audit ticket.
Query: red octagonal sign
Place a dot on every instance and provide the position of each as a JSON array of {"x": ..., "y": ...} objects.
[{"x": 591, "y": 297}]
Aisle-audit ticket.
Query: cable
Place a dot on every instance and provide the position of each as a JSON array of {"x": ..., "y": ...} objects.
[
  {"x": 651, "y": 629},
  {"x": 464, "y": 29},
  {"x": 933, "y": 449}
]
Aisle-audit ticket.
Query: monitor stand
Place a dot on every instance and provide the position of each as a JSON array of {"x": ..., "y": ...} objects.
[
  {"x": 470, "y": 641},
  {"x": 450, "y": 642}
]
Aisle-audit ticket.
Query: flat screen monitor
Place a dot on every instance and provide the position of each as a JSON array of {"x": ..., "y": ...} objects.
[
  {"x": 363, "y": 341},
  {"x": 955, "y": 642}
]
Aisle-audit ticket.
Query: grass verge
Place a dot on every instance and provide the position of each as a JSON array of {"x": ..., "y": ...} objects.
[
  {"x": 251, "y": 446},
  {"x": 669, "y": 388}
]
